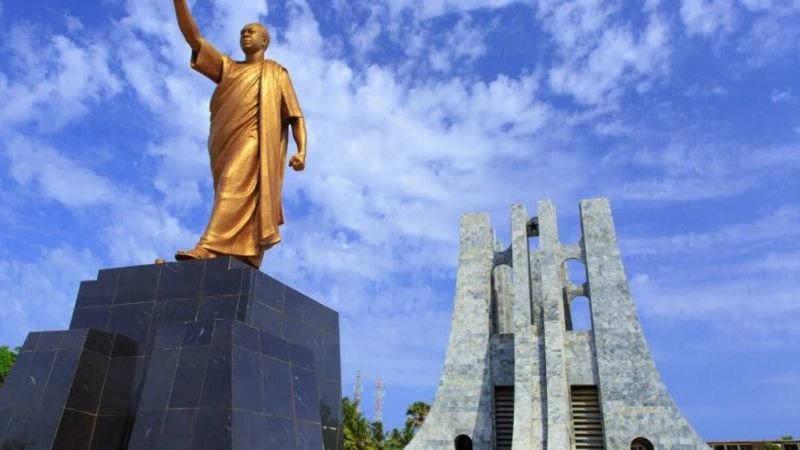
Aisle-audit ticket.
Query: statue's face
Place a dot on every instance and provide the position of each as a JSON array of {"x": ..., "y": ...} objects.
[{"x": 253, "y": 38}]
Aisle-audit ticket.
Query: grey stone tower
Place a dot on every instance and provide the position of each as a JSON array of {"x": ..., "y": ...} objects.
[{"x": 517, "y": 376}]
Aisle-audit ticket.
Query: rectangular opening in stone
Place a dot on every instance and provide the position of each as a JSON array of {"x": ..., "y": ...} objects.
[
  {"x": 503, "y": 416},
  {"x": 587, "y": 419}
]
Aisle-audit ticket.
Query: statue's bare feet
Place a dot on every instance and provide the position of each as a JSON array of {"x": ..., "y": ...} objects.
[{"x": 195, "y": 253}]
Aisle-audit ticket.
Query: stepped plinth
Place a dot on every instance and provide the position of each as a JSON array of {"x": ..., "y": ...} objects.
[{"x": 192, "y": 355}]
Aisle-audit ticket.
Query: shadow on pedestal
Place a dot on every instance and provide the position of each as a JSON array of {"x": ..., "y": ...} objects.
[{"x": 191, "y": 355}]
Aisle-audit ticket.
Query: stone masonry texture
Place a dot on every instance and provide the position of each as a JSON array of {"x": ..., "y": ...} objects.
[{"x": 512, "y": 325}]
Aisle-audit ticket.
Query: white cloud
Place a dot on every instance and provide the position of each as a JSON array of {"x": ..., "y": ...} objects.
[
  {"x": 575, "y": 25},
  {"x": 640, "y": 279},
  {"x": 55, "y": 176},
  {"x": 782, "y": 96},
  {"x": 757, "y": 5},
  {"x": 426, "y": 9},
  {"x": 600, "y": 59},
  {"x": 76, "y": 77},
  {"x": 373, "y": 343},
  {"x": 230, "y": 17},
  {"x": 612, "y": 128},
  {"x": 364, "y": 36},
  {"x": 772, "y": 36},
  {"x": 394, "y": 159},
  {"x": 463, "y": 45},
  {"x": 39, "y": 291},
  {"x": 176, "y": 96},
  {"x": 772, "y": 227},
  {"x": 151, "y": 17},
  {"x": 392, "y": 165},
  {"x": 760, "y": 30},
  {"x": 683, "y": 171},
  {"x": 417, "y": 171},
  {"x": 73, "y": 23},
  {"x": 771, "y": 5},
  {"x": 708, "y": 17},
  {"x": 435, "y": 37},
  {"x": 697, "y": 90},
  {"x": 681, "y": 189},
  {"x": 784, "y": 262},
  {"x": 134, "y": 229},
  {"x": 719, "y": 90},
  {"x": 740, "y": 309},
  {"x": 141, "y": 230},
  {"x": 734, "y": 280},
  {"x": 382, "y": 188}
]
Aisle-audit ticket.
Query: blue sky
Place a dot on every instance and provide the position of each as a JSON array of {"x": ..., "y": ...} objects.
[{"x": 686, "y": 114}]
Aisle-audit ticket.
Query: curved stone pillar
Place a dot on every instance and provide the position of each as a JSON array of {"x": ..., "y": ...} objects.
[
  {"x": 635, "y": 402},
  {"x": 463, "y": 399}
]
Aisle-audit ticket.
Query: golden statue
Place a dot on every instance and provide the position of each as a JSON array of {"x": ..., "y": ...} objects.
[{"x": 251, "y": 110}]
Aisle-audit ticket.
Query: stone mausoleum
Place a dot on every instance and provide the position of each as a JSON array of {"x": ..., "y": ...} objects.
[{"x": 518, "y": 376}]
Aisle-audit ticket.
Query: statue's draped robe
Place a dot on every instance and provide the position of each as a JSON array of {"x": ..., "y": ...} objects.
[{"x": 250, "y": 112}]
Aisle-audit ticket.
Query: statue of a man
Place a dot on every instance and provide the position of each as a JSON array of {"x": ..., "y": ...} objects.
[{"x": 251, "y": 110}]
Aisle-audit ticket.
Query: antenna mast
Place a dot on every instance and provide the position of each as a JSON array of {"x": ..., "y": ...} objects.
[
  {"x": 379, "y": 393},
  {"x": 358, "y": 390}
]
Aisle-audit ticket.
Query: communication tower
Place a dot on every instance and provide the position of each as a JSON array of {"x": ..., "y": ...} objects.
[
  {"x": 379, "y": 393},
  {"x": 358, "y": 391}
]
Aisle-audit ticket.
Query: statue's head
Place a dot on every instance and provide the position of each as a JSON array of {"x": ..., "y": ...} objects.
[{"x": 253, "y": 38}]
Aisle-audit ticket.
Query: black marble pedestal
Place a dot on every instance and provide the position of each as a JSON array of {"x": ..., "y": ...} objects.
[{"x": 192, "y": 355}]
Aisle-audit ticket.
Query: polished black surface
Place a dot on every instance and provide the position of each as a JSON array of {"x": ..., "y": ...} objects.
[
  {"x": 228, "y": 367},
  {"x": 52, "y": 398},
  {"x": 190, "y": 355}
]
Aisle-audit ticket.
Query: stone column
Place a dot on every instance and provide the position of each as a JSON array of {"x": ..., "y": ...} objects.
[
  {"x": 528, "y": 414},
  {"x": 463, "y": 403},
  {"x": 634, "y": 400},
  {"x": 557, "y": 395}
]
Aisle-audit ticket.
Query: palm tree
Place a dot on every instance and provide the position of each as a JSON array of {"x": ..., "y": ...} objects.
[
  {"x": 377, "y": 435},
  {"x": 416, "y": 414},
  {"x": 399, "y": 439},
  {"x": 361, "y": 434}
]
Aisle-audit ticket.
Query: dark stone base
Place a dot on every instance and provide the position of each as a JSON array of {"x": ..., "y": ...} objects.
[{"x": 191, "y": 355}]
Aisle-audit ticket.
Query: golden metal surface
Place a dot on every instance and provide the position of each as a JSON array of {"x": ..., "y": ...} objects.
[{"x": 251, "y": 111}]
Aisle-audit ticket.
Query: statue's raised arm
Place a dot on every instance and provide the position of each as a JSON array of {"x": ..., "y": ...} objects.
[
  {"x": 187, "y": 25},
  {"x": 252, "y": 109}
]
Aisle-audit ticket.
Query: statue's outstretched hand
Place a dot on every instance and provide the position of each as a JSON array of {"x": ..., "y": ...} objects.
[{"x": 298, "y": 162}]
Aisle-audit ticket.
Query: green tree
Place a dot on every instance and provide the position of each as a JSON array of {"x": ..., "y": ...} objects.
[
  {"x": 356, "y": 428},
  {"x": 416, "y": 414},
  {"x": 377, "y": 435},
  {"x": 398, "y": 439},
  {"x": 7, "y": 358},
  {"x": 415, "y": 417},
  {"x": 361, "y": 434}
]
